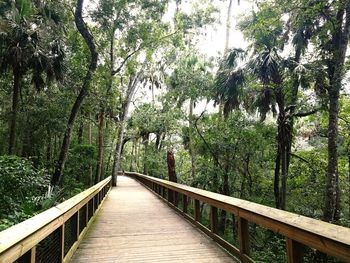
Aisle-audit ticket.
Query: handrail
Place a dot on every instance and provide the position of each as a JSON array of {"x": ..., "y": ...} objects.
[
  {"x": 68, "y": 221},
  {"x": 298, "y": 230}
]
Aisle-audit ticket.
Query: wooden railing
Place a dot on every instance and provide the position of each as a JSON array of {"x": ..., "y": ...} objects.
[
  {"x": 53, "y": 235},
  {"x": 299, "y": 231}
]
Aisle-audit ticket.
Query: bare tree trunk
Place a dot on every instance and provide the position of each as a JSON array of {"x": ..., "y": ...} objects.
[
  {"x": 228, "y": 26},
  {"x": 145, "y": 141},
  {"x": 341, "y": 39},
  {"x": 281, "y": 150},
  {"x": 172, "y": 175},
  {"x": 15, "y": 100},
  {"x": 99, "y": 165},
  {"x": 81, "y": 132},
  {"x": 133, "y": 81},
  {"x": 90, "y": 143},
  {"x": 49, "y": 147},
  {"x": 57, "y": 177},
  {"x": 171, "y": 166},
  {"x": 190, "y": 136},
  {"x": 276, "y": 186}
]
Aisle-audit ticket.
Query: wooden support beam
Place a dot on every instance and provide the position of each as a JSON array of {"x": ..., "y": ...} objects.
[
  {"x": 78, "y": 224},
  {"x": 243, "y": 233},
  {"x": 33, "y": 255},
  {"x": 61, "y": 233},
  {"x": 214, "y": 219},
  {"x": 197, "y": 210},
  {"x": 87, "y": 214},
  {"x": 295, "y": 251},
  {"x": 184, "y": 203}
]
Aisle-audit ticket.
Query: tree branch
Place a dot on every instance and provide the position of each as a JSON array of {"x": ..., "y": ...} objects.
[
  {"x": 114, "y": 72},
  {"x": 205, "y": 142},
  {"x": 304, "y": 114}
]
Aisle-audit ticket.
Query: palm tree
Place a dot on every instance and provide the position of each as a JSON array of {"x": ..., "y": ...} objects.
[
  {"x": 22, "y": 52},
  {"x": 230, "y": 80}
]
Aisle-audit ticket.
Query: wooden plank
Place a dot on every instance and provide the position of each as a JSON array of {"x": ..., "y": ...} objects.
[
  {"x": 160, "y": 235},
  {"x": 81, "y": 236},
  {"x": 328, "y": 238},
  {"x": 295, "y": 251}
]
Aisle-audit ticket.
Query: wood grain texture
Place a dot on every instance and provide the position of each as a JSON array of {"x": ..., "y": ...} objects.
[
  {"x": 136, "y": 226},
  {"x": 325, "y": 237}
]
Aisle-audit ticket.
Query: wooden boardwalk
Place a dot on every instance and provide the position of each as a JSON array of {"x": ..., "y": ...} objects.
[{"x": 136, "y": 226}]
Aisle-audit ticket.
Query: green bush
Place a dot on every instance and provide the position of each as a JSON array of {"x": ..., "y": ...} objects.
[
  {"x": 22, "y": 189},
  {"x": 81, "y": 157}
]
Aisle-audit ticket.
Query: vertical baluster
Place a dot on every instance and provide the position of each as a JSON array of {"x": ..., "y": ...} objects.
[
  {"x": 33, "y": 255},
  {"x": 61, "y": 229},
  {"x": 184, "y": 203},
  {"x": 197, "y": 210},
  {"x": 295, "y": 251},
  {"x": 170, "y": 196},
  {"x": 214, "y": 219},
  {"x": 78, "y": 223},
  {"x": 87, "y": 214},
  {"x": 243, "y": 233}
]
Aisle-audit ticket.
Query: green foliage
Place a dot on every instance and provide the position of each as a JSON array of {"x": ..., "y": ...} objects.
[
  {"x": 22, "y": 189},
  {"x": 80, "y": 159}
]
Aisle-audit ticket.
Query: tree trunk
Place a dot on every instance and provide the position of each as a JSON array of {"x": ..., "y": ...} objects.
[
  {"x": 276, "y": 182},
  {"x": 225, "y": 191},
  {"x": 340, "y": 39},
  {"x": 81, "y": 26},
  {"x": 280, "y": 182},
  {"x": 81, "y": 132},
  {"x": 99, "y": 165},
  {"x": 171, "y": 166},
  {"x": 133, "y": 81},
  {"x": 190, "y": 137},
  {"x": 15, "y": 100},
  {"x": 49, "y": 147},
  {"x": 172, "y": 175},
  {"x": 90, "y": 143},
  {"x": 145, "y": 141},
  {"x": 228, "y": 26}
]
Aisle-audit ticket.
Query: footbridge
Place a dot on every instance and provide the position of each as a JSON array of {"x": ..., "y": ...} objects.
[{"x": 146, "y": 219}]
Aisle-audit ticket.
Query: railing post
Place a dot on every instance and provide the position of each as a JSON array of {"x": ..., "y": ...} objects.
[
  {"x": 175, "y": 198},
  {"x": 87, "y": 214},
  {"x": 61, "y": 229},
  {"x": 162, "y": 189},
  {"x": 214, "y": 219},
  {"x": 197, "y": 210},
  {"x": 170, "y": 196},
  {"x": 295, "y": 251},
  {"x": 243, "y": 233},
  {"x": 33, "y": 255},
  {"x": 184, "y": 203},
  {"x": 78, "y": 224}
]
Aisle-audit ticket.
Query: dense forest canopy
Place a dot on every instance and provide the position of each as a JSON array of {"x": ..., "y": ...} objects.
[{"x": 88, "y": 88}]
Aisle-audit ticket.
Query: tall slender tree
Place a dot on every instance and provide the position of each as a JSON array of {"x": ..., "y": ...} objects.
[{"x": 83, "y": 30}]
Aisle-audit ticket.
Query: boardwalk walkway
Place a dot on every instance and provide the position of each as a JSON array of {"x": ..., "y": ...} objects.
[{"x": 136, "y": 226}]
